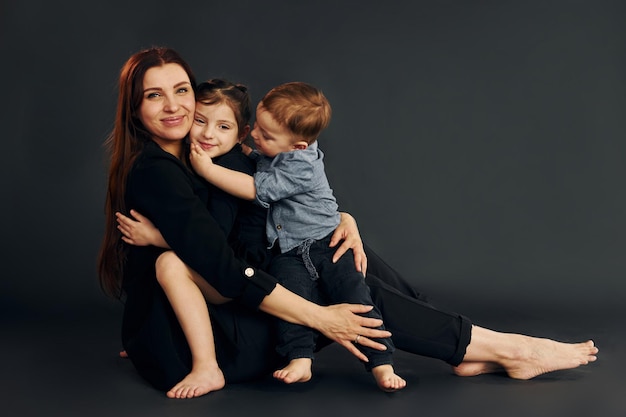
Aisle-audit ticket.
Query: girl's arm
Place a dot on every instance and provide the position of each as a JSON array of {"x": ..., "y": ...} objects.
[{"x": 233, "y": 182}]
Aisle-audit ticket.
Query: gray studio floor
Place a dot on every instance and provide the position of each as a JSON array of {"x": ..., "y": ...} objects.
[{"x": 65, "y": 364}]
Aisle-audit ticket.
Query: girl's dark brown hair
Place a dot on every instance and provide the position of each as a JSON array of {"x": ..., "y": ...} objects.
[
  {"x": 236, "y": 96},
  {"x": 124, "y": 144}
]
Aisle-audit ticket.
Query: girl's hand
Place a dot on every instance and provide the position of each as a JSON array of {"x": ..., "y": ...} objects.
[
  {"x": 349, "y": 233},
  {"x": 200, "y": 161},
  {"x": 139, "y": 232}
]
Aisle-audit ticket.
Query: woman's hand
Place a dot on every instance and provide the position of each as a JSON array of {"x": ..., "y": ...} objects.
[
  {"x": 139, "y": 232},
  {"x": 342, "y": 324},
  {"x": 349, "y": 233}
]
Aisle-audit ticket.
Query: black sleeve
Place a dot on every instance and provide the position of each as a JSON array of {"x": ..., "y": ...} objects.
[{"x": 162, "y": 189}]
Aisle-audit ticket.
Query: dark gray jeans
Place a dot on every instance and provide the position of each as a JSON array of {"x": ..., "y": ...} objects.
[{"x": 308, "y": 271}]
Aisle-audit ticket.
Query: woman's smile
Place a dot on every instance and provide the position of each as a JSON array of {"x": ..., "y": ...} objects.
[{"x": 173, "y": 121}]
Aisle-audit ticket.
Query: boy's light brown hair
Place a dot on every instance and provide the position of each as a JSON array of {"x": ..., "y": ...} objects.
[{"x": 300, "y": 107}]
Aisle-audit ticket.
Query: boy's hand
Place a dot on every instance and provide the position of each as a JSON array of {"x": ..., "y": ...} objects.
[
  {"x": 200, "y": 161},
  {"x": 245, "y": 149},
  {"x": 139, "y": 232}
]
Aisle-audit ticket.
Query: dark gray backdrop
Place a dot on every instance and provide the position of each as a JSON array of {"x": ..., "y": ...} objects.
[{"x": 479, "y": 144}]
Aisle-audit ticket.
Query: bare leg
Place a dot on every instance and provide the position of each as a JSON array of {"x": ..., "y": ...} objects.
[
  {"x": 520, "y": 356},
  {"x": 189, "y": 305},
  {"x": 387, "y": 379},
  {"x": 298, "y": 370}
]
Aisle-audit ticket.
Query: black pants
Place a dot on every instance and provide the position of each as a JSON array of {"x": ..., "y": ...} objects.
[
  {"x": 417, "y": 325},
  {"x": 245, "y": 340}
]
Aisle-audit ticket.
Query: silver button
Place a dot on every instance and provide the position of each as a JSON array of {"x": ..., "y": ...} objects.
[
  {"x": 249, "y": 272},
  {"x": 279, "y": 226}
]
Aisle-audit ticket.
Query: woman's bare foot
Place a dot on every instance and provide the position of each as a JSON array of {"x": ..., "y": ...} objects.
[
  {"x": 536, "y": 356},
  {"x": 476, "y": 368},
  {"x": 198, "y": 382},
  {"x": 387, "y": 379},
  {"x": 298, "y": 370}
]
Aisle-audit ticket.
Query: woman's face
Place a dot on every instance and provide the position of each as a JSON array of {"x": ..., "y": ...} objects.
[
  {"x": 168, "y": 105},
  {"x": 215, "y": 128}
]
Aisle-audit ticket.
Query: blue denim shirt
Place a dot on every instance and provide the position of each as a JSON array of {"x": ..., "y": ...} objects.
[{"x": 294, "y": 187}]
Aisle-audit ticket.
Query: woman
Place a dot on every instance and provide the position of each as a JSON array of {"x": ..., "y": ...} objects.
[{"x": 149, "y": 173}]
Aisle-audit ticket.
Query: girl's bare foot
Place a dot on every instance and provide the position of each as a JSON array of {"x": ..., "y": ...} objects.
[
  {"x": 536, "y": 356},
  {"x": 476, "y": 368},
  {"x": 387, "y": 379},
  {"x": 298, "y": 370},
  {"x": 198, "y": 382}
]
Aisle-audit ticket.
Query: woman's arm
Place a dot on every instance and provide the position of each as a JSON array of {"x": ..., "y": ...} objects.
[
  {"x": 138, "y": 230},
  {"x": 339, "y": 322},
  {"x": 348, "y": 233},
  {"x": 162, "y": 190}
]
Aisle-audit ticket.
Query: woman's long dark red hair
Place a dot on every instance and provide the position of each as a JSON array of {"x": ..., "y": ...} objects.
[{"x": 124, "y": 144}]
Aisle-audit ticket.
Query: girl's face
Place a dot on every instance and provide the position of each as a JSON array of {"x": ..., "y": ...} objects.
[
  {"x": 215, "y": 129},
  {"x": 168, "y": 105}
]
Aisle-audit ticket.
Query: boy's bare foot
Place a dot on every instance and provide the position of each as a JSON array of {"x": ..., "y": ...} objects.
[
  {"x": 198, "y": 382},
  {"x": 298, "y": 370},
  {"x": 536, "y": 356},
  {"x": 476, "y": 368},
  {"x": 387, "y": 379}
]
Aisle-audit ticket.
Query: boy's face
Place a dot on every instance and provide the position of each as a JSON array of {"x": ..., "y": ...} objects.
[
  {"x": 271, "y": 138},
  {"x": 214, "y": 128}
]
